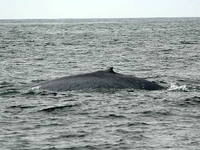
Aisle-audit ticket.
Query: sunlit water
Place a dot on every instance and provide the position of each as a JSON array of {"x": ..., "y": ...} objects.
[{"x": 166, "y": 51}]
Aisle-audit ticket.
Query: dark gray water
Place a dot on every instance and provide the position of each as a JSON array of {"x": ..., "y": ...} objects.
[{"x": 166, "y": 51}]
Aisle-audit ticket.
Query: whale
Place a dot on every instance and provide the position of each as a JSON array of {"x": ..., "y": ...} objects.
[{"x": 103, "y": 79}]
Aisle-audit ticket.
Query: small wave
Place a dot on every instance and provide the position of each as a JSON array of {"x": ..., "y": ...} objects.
[
  {"x": 17, "y": 108},
  {"x": 137, "y": 124},
  {"x": 190, "y": 101},
  {"x": 9, "y": 92},
  {"x": 174, "y": 87},
  {"x": 50, "y": 44},
  {"x": 36, "y": 91},
  {"x": 39, "y": 58},
  {"x": 21, "y": 107},
  {"x": 58, "y": 108},
  {"x": 156, "y": 113},
  {"x": 116, "y": 116},
  {"x": 75, "y": 135},
  {"x": 89, "y": 147},
  {"x": 35, "y": 88},
  {"x": 5, "y": 84},
  {"x": 188, "y": 42},
  {"x": 112, "y": 116}
]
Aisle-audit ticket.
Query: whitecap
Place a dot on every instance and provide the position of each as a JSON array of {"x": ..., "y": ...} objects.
[{"x": 175, "y": 87}]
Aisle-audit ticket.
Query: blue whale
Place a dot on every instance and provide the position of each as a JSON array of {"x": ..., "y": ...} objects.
[{"x": 103, "y": 79}]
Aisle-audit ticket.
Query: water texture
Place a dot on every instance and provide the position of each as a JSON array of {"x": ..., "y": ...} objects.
[{"x": 165, "y": 50}]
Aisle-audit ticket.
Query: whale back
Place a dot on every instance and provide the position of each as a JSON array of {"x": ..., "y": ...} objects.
[{"x": 104, "y": 79}]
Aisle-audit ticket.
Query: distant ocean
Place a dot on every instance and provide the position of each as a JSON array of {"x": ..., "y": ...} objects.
[{"x": 164, "y": 50}]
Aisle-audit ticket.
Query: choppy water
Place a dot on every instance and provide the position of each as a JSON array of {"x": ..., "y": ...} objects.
[{"x": 166, "y": 51}]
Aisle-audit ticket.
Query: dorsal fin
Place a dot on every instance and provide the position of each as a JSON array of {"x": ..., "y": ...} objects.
[{"x": 111, "y": 70}]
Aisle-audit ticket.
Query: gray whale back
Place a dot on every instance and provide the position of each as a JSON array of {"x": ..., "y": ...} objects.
[{"x": 105, "y": 79}]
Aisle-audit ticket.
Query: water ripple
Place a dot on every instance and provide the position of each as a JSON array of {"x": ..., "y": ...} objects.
[{"x": 163, "y": 50}]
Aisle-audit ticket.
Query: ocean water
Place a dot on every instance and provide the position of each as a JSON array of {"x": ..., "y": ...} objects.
[{"x": 164, "y": 50}]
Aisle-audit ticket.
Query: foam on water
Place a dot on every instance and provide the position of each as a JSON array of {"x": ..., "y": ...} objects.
[{"x": 174, "y": 87}]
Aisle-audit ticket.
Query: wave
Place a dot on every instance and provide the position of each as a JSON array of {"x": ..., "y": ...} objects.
[
  {"x": 36, "y": 91},
  {"x": 116, "y": 116},
  {"x": 5, "y": 84},
  {"x": 21, "y": 107},
  {"x": 188, "y": 42},
  {"x": 9, "y": 89},
  {"x": 174, "y": 87},
  {"x": 194, "y": 101},
  {"x": 138, "y": 124},
  {"x": 58, "y": 108},
  {"x": 151, "y": 113},
  {"x": 111, "y": 116},
  {"x": 8, "y": 92}
]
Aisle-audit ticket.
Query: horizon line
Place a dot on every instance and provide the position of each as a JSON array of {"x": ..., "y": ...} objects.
[{"x": 93, "y": 18}]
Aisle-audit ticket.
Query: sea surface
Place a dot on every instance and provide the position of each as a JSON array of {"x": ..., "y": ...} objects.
[{"x": 164, "y": 50}]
